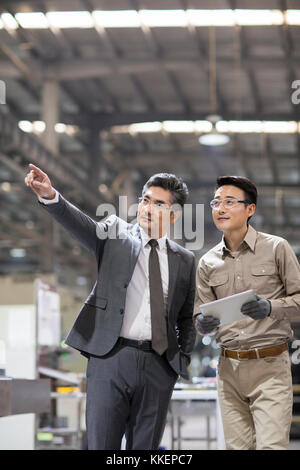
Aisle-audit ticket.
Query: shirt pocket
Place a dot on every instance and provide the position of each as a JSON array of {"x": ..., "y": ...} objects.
[
  {"x": 264, "y": 278},
  {"x": 219, "y": 284}
]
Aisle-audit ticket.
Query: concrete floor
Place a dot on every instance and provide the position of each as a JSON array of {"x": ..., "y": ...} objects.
[{"x": 196, "y": 427}]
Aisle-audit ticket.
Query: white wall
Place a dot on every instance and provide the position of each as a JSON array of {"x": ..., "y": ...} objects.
[{"x": 18, "y": 332}]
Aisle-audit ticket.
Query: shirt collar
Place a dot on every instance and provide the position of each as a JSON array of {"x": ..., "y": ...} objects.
[
  {"x": 249, "y": 239},
  {"x": 145, "y": 239}
]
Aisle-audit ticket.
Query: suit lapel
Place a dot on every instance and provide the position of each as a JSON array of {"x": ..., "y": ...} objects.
[{"x": 173, "y": 262}]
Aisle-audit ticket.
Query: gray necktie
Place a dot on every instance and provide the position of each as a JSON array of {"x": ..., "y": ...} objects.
[{"x": 158, "y": 317}]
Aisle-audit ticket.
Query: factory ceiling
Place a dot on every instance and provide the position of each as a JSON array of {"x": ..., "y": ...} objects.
[{"x": 131, "y": 90}]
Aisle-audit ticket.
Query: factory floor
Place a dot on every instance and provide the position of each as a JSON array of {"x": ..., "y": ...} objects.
[{"x": 195, "y": 428}]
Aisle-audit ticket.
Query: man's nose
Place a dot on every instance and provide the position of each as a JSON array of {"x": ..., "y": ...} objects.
[
  {"x": 221, "y": 209},
  {"x": 148, "y": 208}
]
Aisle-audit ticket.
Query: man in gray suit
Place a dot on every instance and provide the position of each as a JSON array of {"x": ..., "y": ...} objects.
[{"x": 136, "y": 325}]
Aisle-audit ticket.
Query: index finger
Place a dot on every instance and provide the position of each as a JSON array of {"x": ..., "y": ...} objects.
[{"x": 36, "y": 169}]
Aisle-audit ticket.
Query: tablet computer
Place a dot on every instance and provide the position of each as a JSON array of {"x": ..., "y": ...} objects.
[{"x": 228, "y": 309}]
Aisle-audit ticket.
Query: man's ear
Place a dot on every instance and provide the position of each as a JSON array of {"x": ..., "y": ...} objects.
[{"x": 251, "y": 209}]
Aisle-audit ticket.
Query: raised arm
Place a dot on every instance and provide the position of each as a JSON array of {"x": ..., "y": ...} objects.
[
  {"x": 39, "y": 182},
  {"x": 80, "y": 226}
]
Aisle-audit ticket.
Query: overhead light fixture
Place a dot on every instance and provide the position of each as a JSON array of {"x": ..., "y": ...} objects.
[
  {"x": 280, "y": 127},
  {"x": 179, "y": 126},
  {"x": 9, "y": 21},
  {"x": 146, "y": 127},
  {"x": 203, "y": 126},
  {"x": 151, "y": 18},
  {"x": 32, "y": 20},
  {"x": 70, "y": 19},
  {"x": 211, "y": 17},
  {"x": 163, "y": 18},
  {"x": 25, "y": 126},
  {"x": 292, "y": 17},
  {"x": 221, "y": 127},
  {"x": 38, "y": 127},
  {"x": 239, "y": 126},
  {"x": 6, "y": 186},
  {"x": 249, "y": 17},
  {"x": 214, "y": 138},
  {"x": 117, "y": 19},
  {"x": 17, "y": 253},
  {"x": 103, "y": 188}
]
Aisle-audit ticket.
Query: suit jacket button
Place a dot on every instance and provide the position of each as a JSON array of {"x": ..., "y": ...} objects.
[
  {"x": 125, "y": 286},
  {"x": 121, "y": 311}
]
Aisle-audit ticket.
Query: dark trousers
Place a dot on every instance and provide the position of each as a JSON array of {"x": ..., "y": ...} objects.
[{"x": 128, "y": 391}]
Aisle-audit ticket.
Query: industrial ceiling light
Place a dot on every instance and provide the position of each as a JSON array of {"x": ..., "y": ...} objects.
[
  {"x": 17, "y": 253},
  {"x": 9, "y": 21},
  {"x": 32, "y": 20},
  {"x": 149, "y": 18},
  {"x": 247, "y": 17},
  {"x": 117, "y": 19},
  {"x": 70, "y": 19},
  {"x": 221, "y": 17},
  {"x": 163, "y": 18},
  {"x": 214, "y": 138},
  {"x": 292, "y": 17}
]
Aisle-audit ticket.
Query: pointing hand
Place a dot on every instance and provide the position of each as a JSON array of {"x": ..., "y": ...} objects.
[{"x": 39, "y": 182}]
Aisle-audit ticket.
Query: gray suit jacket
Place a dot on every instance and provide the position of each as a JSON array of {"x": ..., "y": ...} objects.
[{"x": 116, "y": 245}]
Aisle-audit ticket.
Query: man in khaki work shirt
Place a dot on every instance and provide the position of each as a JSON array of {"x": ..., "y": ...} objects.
[{"x": 254, "y": 374}]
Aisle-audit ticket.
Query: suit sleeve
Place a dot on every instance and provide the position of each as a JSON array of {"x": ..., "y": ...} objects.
[
  {"x": 89, "y": 233},
  {"x": 185, "y": 328}
]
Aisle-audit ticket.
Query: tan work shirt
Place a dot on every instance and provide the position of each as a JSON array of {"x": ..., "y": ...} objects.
[{"x": 264, "y": 263}]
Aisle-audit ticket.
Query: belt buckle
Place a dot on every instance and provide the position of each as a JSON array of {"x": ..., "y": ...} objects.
[{"x": 241, "y": 358}]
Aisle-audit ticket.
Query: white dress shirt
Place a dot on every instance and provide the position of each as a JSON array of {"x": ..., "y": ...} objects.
[{"x": 137, "y": 315}]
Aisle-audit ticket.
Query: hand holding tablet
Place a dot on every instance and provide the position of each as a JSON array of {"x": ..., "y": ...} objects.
[{"x": 228, "y": 309}]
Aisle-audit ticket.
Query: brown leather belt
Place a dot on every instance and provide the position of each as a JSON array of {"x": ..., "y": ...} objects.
[{"x": 254, "y": 353}]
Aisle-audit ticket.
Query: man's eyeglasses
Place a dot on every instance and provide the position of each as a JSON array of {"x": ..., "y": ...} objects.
[
  {"x": 156, "y": 205},
  {"x": 227, "y": 203}
]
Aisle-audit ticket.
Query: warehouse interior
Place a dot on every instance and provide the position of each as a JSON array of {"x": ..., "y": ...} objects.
[{"x": 101, "y": 95}]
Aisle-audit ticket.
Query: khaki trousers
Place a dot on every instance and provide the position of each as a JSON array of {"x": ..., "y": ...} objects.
[{"x": 256, "y": 398}]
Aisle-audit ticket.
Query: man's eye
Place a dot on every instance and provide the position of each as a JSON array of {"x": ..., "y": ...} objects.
[{"x": 229, "y": 202}]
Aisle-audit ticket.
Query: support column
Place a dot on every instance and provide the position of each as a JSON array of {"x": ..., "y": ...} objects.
[{"x": 50, "y": 114}]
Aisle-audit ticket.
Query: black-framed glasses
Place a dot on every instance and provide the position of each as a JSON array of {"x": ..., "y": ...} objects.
[{"x": 227, "y": 203}]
